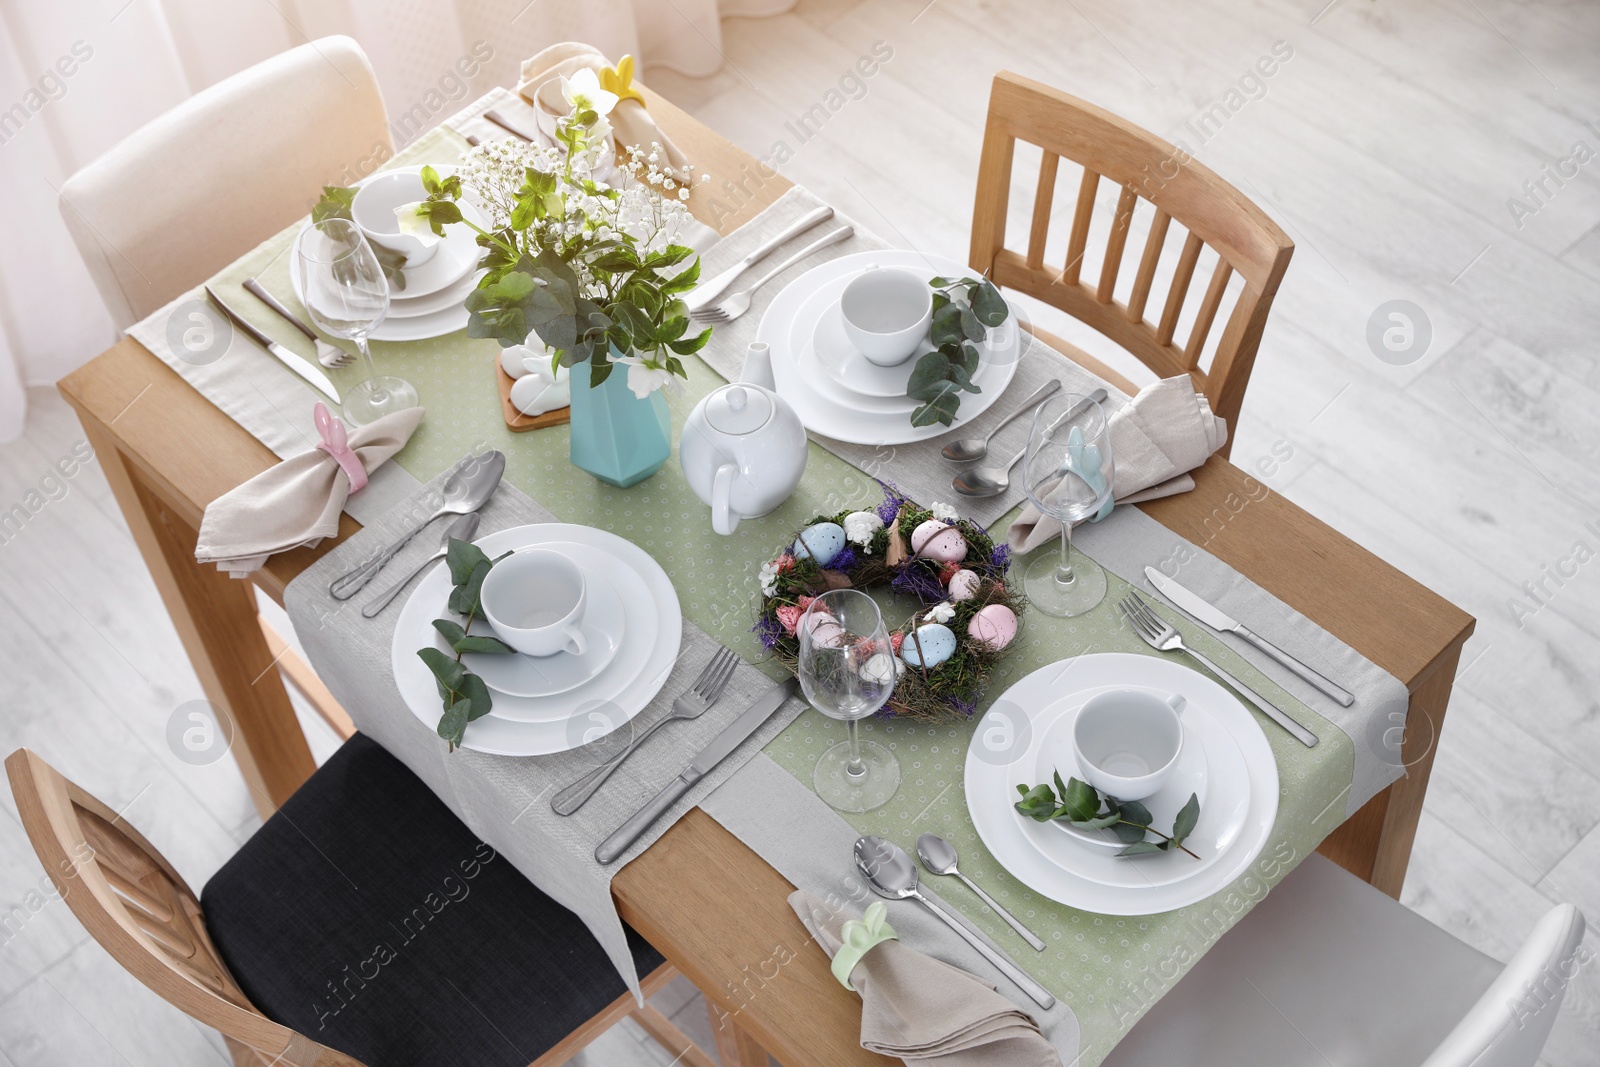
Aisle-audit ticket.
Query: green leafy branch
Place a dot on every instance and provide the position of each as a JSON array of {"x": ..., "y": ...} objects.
[
  {"x": 335, "y": 204},
  {"x": 465, "y": 695},
  {"x": 1085, "y": 807},
  {"x": 964, "y": 309}
]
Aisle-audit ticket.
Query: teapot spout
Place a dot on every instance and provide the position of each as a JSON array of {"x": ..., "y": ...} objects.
[{"x": 757, "y": 368}]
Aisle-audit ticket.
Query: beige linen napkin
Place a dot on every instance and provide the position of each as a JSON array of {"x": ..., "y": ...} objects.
[
  {"x": 631, "y": 124},
  {"x": 1167, "y": 430},
  {"x": 294, "y": 503},
  {"x": 924, "y": 1011}
]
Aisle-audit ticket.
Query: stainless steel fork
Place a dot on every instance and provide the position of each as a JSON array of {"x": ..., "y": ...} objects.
[
  {"x": 1162, "y": 636},
  {"x": 695, "y": 702}
]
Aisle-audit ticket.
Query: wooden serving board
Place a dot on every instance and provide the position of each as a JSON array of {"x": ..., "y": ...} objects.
[{"x": 516, "y": 421}]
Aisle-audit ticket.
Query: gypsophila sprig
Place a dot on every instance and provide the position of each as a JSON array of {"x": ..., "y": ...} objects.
[{"x": 581, "y": 247}]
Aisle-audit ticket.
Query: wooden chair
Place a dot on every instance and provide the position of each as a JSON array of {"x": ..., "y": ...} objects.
[
  {"x": 142, "y": 912},
  {"x": 1146, "y": 168}
]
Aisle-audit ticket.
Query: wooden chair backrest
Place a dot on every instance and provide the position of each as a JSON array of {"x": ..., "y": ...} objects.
[
  {"x": 1180, "y": 188},
  {"x": 143, "y": 913}
]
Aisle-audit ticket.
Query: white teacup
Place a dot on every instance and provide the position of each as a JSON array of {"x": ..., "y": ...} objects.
[
  {"x": 534, "y": 600},
  {"x": 1127, "y": 741},
  {"x": 373, "y": 210},
  {"x": 886, "y": 313}
]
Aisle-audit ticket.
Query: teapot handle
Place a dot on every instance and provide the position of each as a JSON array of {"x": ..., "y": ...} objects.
[{"x": 724, "y": 520}]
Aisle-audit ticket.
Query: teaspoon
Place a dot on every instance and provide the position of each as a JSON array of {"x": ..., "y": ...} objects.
[
  {"x": 992, "y": 481},
  {"x": 939, "y": 856},
  {"x": 468, "y": 489},
  {"x": 972, "y": 449},
  {"x": 463, "y": 529},
  {"x": 890, "y": 873}
]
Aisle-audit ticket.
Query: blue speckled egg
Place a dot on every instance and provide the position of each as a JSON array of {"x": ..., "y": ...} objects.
[
  {"x": 822, "y": 542},
  {"x": 936, "y": 641}
]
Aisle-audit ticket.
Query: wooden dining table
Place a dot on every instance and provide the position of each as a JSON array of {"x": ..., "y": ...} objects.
[{"x": 712, "y": 906}]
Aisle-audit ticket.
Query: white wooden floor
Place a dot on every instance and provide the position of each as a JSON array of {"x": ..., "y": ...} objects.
[{"x": 1387, "y": 145}]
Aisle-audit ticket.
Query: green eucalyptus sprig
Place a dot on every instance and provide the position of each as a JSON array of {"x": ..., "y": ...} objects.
[
  {"x": 964, "y": 309},
  {"x": 1085, "y": 807},
  {"x": 335, "y": 204},
  {"x": 465, "y": 695}
]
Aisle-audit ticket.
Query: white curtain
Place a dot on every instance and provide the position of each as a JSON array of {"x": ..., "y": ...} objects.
[{"x": 78, "y": 75}]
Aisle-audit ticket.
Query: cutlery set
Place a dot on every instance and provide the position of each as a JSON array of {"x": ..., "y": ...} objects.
[{"x": 702, "y": 301}]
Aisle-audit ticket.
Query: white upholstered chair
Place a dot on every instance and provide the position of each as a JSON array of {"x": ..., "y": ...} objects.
[
  {"x": 1329, "y": 972},
  {"x": 185, "y": 195}
]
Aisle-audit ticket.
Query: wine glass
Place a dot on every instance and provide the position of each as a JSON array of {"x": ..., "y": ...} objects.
[
  {"x": 1068, "y": 475},
  {"x": 847, "y": 671},
  {"x": 347, "y": 295}
]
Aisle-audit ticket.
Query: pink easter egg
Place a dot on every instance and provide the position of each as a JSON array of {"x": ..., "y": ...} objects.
[
  {"x": 994, "y": 625},
  {"x": 825, "y": 630},
  {"x": 964, "y": 585},
  {"x": 936, "y": 541}
]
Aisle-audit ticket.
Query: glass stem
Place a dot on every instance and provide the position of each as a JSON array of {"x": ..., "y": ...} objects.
[
  {"x": 856, "y": 768},
  {"x": 378, "y": 394},
  {"x": 1064, "y": 575}
]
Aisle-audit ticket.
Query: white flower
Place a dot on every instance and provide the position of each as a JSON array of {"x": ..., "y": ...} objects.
[
  {"x": 943, "y": 512},
  {"x": 943, "y": 611},
  {"x": 645, "y": 375},
  {"x": 583, "y": 92},
  {"x": 769, "y": 578},
  {"x": 861, "y": 526},
  {"x": 413, "y": 224}
]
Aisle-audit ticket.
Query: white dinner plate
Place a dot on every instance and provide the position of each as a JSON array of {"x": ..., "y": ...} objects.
[
  {"x": 781, "y": 325},
  {"x": 596, "y": 707},
  {"x": 1073, "y": 873},
  {"x": 451, "y": 296},
  {"x": 604, "y": 626},
  {"x": 1187, "y": 778}
]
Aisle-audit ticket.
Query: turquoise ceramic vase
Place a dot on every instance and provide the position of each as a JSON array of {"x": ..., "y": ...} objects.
[{"x": 617, "y": 437}]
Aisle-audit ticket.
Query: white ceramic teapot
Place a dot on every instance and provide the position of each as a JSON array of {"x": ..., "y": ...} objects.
[{"x": 743, "y": 451}]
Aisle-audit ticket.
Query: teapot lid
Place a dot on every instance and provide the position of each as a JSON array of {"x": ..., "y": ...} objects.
[{"x": 738, "y": 409}]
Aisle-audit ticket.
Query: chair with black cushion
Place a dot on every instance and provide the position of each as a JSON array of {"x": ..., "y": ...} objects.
[{"x": 363, "y": 924}]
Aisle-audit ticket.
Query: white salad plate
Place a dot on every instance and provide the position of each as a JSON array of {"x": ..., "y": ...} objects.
[
  {"x": 450, "y": 297},
  {"x": 449, "y": 266},
  {"x": 1241, "y": 775},
  {"x": 537, "y": 726},
  {"x": 1188, "y": 778},
  {"x": 815, "y": 396},
  {"x": 604, "y": 626}
]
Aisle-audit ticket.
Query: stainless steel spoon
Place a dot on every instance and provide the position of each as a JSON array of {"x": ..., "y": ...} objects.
[
  {"x": 972, "y": 449},
  {"x": 939, "y": 856},
  {"x": 463, "y": 529},
  {"x": 468, "y": 489},
  {"x": 992, "y": 481},
  {"x": 890, "y": 873}
]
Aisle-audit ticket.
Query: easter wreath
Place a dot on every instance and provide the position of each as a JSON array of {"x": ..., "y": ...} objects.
[{"x": 967, "y": 615}]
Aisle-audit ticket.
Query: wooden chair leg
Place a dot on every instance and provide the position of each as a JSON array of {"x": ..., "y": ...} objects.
[
  {"x": 735, "y": 1048},
  {"x": 669, "y": 1037},
  {"x": 299, "y": 674}
]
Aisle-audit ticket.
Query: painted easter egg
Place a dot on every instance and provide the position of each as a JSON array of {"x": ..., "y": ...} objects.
[
  {"x": 862, "y": 526},
  {"x": 964, "y": 585},
  {"x": 824, "y": 629},
  {"x": 995, "y": 625},
  {"x": 936, "y": 541},
  {"x": 881, "y": 669},
  {"x": 822, "y": 542},
  {"x": 929, "y": 646}
]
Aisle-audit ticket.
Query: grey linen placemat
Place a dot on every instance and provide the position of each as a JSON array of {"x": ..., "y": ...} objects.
[
  {"x": 506, "y": 800},
  {"x": 917, "y": 469}
]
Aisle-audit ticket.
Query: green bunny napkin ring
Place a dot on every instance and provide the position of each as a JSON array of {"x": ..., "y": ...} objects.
[{"x": 858, "y": 937}]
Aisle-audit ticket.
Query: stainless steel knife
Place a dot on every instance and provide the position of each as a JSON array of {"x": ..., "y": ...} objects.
[
  {"x": 711, "y": 288},
  {"x": 299, "y": 364},
  {"x": 1205, "y": 612},
  {"x": 714, "y": 753}
]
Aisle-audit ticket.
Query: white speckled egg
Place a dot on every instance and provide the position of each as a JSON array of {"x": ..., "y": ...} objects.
[
  {"x": 936, "y": 641},
  {"x": 881, "y": 669},
  {"x": 822, "y": 542},
  {"x": 936, "y": 541},
  {"x": 994, "y": 625},
  {"x": 964, "y": 584}
]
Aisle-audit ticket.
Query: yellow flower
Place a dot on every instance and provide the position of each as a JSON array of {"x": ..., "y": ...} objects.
[{"x": 619, "y": 80}]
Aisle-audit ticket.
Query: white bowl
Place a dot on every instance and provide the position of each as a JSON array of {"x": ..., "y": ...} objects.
[
  {"x": 886, "y": 313},
  {"x": 373, "y": 210}
]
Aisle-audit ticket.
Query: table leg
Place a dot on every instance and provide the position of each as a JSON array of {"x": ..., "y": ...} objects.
[
  {"x": 1375, "y": 842},
  {"x": 735, "y": 1047},
  {"x": 216, "y": 619}
]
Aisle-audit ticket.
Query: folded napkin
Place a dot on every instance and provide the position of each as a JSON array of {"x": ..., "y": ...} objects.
[
  {"x": 1167, "y": 430},
  {"x": 296, "y": 502},
  {"x": 631, "y": 124},
  {"x": 924, "y": 1011}
]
